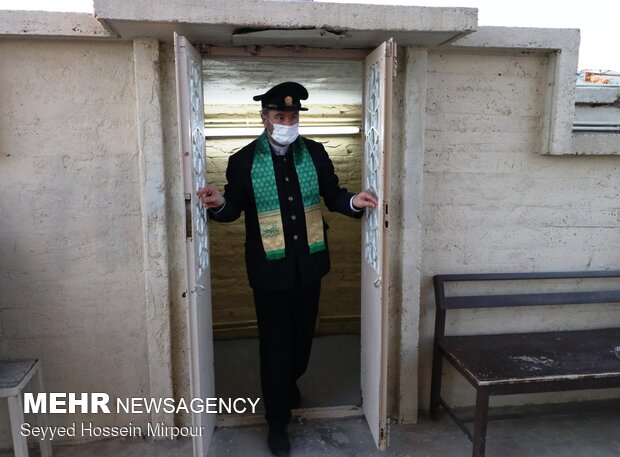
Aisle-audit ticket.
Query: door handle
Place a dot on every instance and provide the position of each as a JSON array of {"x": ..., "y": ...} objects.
[{"x": 378, "y": 283}]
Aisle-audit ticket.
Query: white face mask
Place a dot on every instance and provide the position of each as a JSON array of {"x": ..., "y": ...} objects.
[{"x": 284, "y": 134}]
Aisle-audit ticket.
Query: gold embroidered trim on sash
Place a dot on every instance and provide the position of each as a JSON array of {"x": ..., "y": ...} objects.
[{"x": 272, "y": 234}]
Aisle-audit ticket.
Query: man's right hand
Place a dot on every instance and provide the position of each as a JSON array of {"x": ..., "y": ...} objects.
[{"x": 210, "y": 196}]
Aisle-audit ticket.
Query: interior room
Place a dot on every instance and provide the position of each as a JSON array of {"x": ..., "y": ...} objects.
[{"x": 334, "y": 119}]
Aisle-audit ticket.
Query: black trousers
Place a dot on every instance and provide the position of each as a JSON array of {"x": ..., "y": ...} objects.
[{"x": 286, "y": 321}]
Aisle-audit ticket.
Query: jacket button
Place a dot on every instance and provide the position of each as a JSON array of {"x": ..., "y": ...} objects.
[
  {"x": 293, "y": 217},
  {"x": 295, "y": 237},
  {"x": 286, "y": 179},
  {"x": 290, "y": 198}
]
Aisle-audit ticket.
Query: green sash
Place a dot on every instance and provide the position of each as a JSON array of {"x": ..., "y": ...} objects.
[{"x": 268, "y": 203}]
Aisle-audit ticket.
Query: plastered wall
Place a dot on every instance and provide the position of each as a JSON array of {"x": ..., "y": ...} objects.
[
  {"x": 492, "y": 204},
  {"x": 71, "y": 281}
]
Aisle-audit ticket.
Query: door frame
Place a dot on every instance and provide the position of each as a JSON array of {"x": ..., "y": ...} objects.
[{"x": 299, "y": 53}]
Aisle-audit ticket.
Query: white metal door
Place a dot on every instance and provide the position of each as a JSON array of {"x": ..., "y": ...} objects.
[
  {"x": 379, "y": 70},
  {"x": 192, "y": 148}
]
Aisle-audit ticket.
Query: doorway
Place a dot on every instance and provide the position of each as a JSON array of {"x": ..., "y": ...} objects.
[
  {"x": 379, "y": 71},
  {"x": 335, "y": 120}
]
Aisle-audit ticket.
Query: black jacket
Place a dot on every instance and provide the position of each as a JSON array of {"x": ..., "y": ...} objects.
[{"x": 280, "y": 274}]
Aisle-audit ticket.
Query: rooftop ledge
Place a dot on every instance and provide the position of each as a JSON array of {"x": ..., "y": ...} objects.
[{"x": 265, "y": 22}]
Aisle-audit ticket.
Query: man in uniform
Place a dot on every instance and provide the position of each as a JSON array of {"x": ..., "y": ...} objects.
[{"x": 277, "y": 180}]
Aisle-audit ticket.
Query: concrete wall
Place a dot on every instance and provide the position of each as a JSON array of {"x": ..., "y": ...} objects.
[
  {"x": 492, "y": 204},
  {"x": 71, "y": 280}
]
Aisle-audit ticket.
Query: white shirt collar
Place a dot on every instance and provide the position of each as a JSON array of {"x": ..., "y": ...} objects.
[{"x": 279, "y": 150}]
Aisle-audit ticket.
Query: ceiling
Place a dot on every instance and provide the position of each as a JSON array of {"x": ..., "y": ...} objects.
[{"x": 230, "y": 82}]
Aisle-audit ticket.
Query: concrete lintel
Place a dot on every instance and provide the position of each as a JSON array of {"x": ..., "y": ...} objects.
[
  {"x": 51, "y": 24},
  {"x": 525, "y": 38},
  {"x": 265, "y": 14},
  {"x": 266, "y": 22}
]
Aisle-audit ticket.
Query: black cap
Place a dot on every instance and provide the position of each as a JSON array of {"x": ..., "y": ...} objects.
[{"x": 285, "y": 96}]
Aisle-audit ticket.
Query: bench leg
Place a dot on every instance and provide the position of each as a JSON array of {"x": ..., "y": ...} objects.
[
  {"x": 45, "y": 445},
  {"x": 16, "y": 415},
  {"x": 436, "y": 384},
  {"x": 480, "y": 422}
]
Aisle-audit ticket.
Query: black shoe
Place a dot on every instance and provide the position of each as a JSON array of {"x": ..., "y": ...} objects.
[
  {"x": 278, "y": 442},
  {"x": 294, "y": 398}
]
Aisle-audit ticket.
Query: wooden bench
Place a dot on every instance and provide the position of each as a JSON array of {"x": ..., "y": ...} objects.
[{"x": 518, "y": 363}]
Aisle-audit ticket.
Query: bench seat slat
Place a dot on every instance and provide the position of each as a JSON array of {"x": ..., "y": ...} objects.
[
  {"x": 12, "y": 372},
  {"x": 534, "y": 357},
  {"x": 538, "y": 299},
  {"x": 525, "y": 276}
]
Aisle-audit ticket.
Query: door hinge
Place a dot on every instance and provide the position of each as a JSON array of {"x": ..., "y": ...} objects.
[
  {"x": 394, "y": 64},
  {"x": 385, "y": 218},
  {"x": 384, "y": 435},
  {"x": 391, "y": 51},
  {"x": 389, "y": 48},
  {"x": 395, "y": 68},
  {"x": 188, "y": 216}
]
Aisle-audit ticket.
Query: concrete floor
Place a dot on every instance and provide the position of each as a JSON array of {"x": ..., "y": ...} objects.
[
  {"x": 332, "y": 377},
  {"x": 594, "y": 432}
]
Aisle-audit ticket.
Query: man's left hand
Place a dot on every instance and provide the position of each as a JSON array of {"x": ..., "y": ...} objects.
[{"x": 365, "y": 199}]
